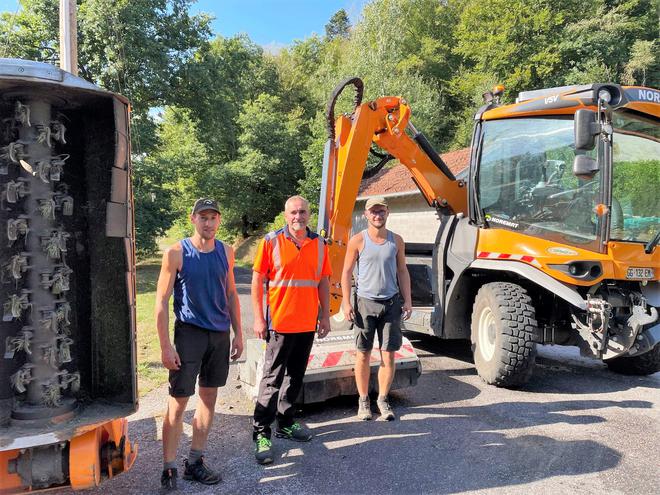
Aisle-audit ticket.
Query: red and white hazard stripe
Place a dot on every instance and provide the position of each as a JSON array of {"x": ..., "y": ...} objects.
[
  {"x": 331, "y": 359},
  {"x": 504, "y": 256}
]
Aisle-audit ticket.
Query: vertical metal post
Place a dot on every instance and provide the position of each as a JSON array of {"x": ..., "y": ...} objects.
[
  {"x": 68, "y": 37},
  {"x": 327, "y": 189}
]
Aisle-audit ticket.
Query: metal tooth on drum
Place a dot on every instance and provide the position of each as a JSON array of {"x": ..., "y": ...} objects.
[
  {"x": 17, "y": 266},
  {"x": 20, "y": 343},
  {"x": 22, "y": 378},
  {"x": 16, "y": 190},
  {"x": 16, "y": 305},
  {"x": 17, "y": 227},
  {"x": 54, "y": 244},
  {"x": 58, "y": 129},
  {"x": 56, "y": 280}
]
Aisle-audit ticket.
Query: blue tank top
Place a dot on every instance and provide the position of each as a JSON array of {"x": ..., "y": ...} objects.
[
  {"x": 376, "y": 268},
  {"x": 200, "y": 288}
]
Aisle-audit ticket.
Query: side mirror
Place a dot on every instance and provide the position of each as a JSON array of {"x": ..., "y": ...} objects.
[
  {"x": 586, "y": 129},
  {"x": 584, "y": 167}
]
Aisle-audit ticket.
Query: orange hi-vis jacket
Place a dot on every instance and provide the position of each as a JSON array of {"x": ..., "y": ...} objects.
[{"x": 292, "y": 276}]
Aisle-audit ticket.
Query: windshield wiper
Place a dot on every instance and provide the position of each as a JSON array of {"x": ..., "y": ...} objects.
[{"x": 648, "y": 249}]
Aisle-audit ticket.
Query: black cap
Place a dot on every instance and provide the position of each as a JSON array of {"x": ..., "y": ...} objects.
[{"x": 205, "y": 204}]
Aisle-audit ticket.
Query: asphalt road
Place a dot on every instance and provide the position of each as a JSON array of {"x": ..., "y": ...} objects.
[{"x": 576, "y": 428}]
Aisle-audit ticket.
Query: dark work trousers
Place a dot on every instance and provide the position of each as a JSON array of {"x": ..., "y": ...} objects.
[{"x": 285, "y": 363}]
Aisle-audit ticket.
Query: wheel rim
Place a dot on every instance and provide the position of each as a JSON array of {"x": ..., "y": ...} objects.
[{"x": 487, "y": 334}]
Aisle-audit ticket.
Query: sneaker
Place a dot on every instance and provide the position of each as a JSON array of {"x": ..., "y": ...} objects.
[
  {"x": 168, "y": 479},
  {"x": 263, "y": 452},
  {"x": 385, "y": 410},
  {"x": 200, "y": 472},
  {"x": 296, "y": 432},
  {"x": 364, "y": 409}
]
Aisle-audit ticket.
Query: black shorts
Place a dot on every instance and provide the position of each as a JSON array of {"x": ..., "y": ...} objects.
[
  {"x": 202, "y": 352},
  {"x": 378, "y": 317}
]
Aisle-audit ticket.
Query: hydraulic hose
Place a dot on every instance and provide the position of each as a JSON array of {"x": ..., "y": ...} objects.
[{"x": 330, "y": 112}]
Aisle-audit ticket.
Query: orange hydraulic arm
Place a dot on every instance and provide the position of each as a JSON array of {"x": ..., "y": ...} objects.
[{"x": 385, "y": 122}]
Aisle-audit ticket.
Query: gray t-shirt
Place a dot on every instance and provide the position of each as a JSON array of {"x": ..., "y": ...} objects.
[{"x": 376, "y": 268}]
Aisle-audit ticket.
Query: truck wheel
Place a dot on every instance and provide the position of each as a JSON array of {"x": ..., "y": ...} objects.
[
  {"x": 504, "y": 331},
  {"x": 644, "y": 364}
]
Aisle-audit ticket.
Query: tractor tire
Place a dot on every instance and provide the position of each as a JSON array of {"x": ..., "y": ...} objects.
[
  {"x": 504, "y": 334},
  {"x": 644, "y": 364}
]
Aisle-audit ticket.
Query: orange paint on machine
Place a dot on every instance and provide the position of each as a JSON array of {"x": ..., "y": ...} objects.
[{"x": 550, "y": 237}]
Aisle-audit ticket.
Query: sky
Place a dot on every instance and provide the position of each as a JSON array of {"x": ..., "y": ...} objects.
[{"x": 270, "y": 23}]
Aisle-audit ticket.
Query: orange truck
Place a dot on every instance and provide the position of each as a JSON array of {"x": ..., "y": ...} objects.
[
  {"x": 67, "y": 284},
  {"x": 550, "y": 239}
]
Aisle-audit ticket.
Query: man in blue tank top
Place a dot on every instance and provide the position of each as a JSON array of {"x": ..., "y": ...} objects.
[
  {"x": 200, "y": 272},
  {"x": 383, "y": 298}
]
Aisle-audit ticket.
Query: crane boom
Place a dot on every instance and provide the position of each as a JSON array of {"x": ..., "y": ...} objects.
[{"x": 386, "y": 123}]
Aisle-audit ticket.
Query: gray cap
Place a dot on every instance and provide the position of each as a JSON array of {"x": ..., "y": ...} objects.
[
  {"x": 375, "y": 201},
  {"x": 203, "y": 204}
]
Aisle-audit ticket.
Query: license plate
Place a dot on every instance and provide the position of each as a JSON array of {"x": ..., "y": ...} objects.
[{"x": 640, "y": 273}]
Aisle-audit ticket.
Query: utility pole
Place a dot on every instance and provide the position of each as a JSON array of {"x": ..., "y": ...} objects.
[{"x": 68, "y": 37}]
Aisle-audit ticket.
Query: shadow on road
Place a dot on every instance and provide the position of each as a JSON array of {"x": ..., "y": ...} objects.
[
  {"x": 555, "y": 372},
  {"x": 437, "y": 445},
  {"x": 449, "y": 449},
  {"x": 433, "y": 346}
]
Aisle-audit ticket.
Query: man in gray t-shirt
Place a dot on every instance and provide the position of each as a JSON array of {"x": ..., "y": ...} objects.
[{"x": 383, "y": 298}]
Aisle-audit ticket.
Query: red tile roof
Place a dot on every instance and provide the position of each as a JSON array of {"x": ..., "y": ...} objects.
[{"x": 397, "y": 179}]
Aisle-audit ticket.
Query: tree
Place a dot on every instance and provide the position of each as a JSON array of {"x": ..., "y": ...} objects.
[
  {"x": 153, "y": 205},
  {"x": 338, "y": 26},
  {"x": 255, "y": 185},
  {"x": 217, "y": 81},
  {"x": 599, "y": 45},
  {"x": 643, "y": 61},
  {"x": 312, "y": 159},
  {"x": 517, "y": 41},
  {"x": 134, "y": 47},
  {"x": 297, "y": 67},
  {"x": 31, "y": 32},
  {"x": 170, "y": 178}
]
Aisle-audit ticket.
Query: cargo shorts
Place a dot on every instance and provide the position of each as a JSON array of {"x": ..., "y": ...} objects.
[
  {"x": 378, "y": 317},
  {"x": 203, "y": 353}
]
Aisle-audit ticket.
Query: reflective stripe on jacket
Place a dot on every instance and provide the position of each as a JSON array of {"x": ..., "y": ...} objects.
[{"x": 293, "y": 277}]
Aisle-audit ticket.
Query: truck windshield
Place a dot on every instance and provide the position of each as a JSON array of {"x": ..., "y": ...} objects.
[
  {"x": 526, "y": 183},
  {"x": 635, "y": 178}
]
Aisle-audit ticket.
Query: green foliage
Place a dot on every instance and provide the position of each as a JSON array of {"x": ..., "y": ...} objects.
[
  {"x": 153, "y": 205},
  {"x": 643, "y": 61},
  {"x": 221, "y": 77},
  {"x": 312, "y": 160},
  {"x": 170, "y": 178},
  {"x": 632, "y": 184},
  {"x": 31, "y": 31},
  {"x": 598, "y": 45},
  {"x": 505, "y": 48},
  {"x": 135, "y": 47},
  {"x": 248, "y": 128},
  {"x": 138, "y": 47},
  {"x": 253, "y": 187}
]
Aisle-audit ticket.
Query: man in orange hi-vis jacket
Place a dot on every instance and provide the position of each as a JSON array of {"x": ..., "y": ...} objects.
[{"x": 293, "y": 263}]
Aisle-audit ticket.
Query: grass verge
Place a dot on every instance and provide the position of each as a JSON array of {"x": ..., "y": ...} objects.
[{"x": 151, "y": 372}]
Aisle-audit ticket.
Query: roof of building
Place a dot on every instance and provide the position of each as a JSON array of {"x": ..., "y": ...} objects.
[{"x": 397, "y": 179}]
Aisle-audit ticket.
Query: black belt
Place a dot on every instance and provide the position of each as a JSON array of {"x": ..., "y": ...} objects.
[{"x": 389, "y": 300}]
